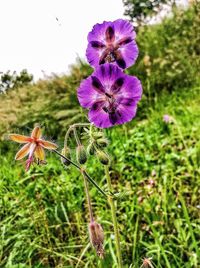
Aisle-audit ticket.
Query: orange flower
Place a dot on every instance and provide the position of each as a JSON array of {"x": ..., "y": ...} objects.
[{"x": 34, "y": 146}]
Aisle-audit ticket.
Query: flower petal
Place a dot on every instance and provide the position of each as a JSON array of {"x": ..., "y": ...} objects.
[
  {"x": 123, "y": 29},
  {"x": 96, "y": 83},
  {"x": 129, "y": 53},
  {"x": 107, "y": 74},
  {"x": 124, "y": 41},
  {"x": 97, "y": 35},
  {"x": 23, "y": 151},
  {"x": 110, "y": 34},
  {"x": 98, "y": 32},
  {"x": 48, "y": 145},
  {"x": 39, "y": 153},
  {"x": 119, "y": 59},
  {"x": 97, "y": 44},
  {"x": 117, "y": 85},
  {"x": 20, "y": 138},
  {"x": 131, "y": 90},
  {"x": 36, "y": 133},
  {"x": 100, "y": 118},
  {"x": 87, "y": 95}
]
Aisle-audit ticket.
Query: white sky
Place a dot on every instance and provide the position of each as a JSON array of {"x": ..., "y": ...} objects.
[{"x": 32, "y": 38}]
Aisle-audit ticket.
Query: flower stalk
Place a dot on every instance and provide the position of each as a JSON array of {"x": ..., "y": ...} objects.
[
  {"x": 88, "y": 196},
  {"x": 82, "y": 170},
  {"x": 114, "y": 217}
]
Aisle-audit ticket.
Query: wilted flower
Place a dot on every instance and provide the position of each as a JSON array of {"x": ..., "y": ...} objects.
[
  {"x": 146, "y": 262},
  {"x": 96, "y": 237},
  {"x": 112, "y": 42},
  {"x": 110, "y": 95},
  {"x": 34, "y": 146}
]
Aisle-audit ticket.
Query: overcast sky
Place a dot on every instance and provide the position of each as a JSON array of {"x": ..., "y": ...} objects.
[{"x": 47, "y": 35}]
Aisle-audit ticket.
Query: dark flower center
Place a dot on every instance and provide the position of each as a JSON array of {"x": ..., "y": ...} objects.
[{"x": 108, "y": 101}]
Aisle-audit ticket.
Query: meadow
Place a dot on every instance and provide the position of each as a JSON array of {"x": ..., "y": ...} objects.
[{"x": 155, "y": 165}]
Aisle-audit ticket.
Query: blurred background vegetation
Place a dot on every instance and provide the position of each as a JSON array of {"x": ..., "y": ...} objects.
[{"x": 43, "y": 214}]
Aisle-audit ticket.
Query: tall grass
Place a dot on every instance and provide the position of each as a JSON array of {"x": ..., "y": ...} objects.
[{"x": 43, "y": 213}]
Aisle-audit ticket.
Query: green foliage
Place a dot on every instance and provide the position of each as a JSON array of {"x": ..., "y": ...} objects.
[
  {"x": 142, "y": 11},
  {"x": 14, "y": 80},
  {"x": 53, "y": 103},
  {"x": 156, "y": 174},
  {"x": 170, "y": 52}
]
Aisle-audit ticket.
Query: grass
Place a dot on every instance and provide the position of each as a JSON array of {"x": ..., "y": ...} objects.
[{"x": 155, "y": 169}]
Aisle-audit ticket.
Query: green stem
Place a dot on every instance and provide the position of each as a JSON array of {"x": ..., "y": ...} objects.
[
  {"x": 94, "y": 183},
  {"x": 80, "y": 169},
  {"x": 81, "y": 125},
  {"x": 114, "y": 218},
  {"x": 76, "y": 137},
  {"x": 67, "y": 136},
  {"x": 72, "y": 127}
]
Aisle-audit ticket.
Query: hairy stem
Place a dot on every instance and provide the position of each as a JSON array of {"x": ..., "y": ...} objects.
[
  {"x": 76, "y": 137},
  {"x": 114, "y": 218},
  {"x": 88, "y": 197},
  {"x": 72, "y": 127}
]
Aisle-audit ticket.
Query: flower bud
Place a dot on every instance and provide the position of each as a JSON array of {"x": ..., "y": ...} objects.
[
  {"x": 91, "y": 148},
  {"x": 103, "y": 142},
  {"x": 97, "y": 237},
  {"x": 65, "y": 152},
  {"x": 103, "y": 157},
  {"x": 97, "y": 135},
  {"x": 81, "y": 154}
]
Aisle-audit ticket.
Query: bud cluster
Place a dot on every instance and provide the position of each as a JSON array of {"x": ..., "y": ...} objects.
[{"x": 96, "y": 146}]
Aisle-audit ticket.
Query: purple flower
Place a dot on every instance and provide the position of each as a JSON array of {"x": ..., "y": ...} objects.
[
  {"x": 167, "y": 118},
  {"x": 112, "y": 42},
  {"x": 110, "y": 95}
]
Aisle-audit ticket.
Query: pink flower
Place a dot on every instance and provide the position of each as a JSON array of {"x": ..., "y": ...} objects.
[
  {"x": 167, "y": 118},
  {"x": 34, "y": 146},
  {"x": 146, "y": 262}
]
